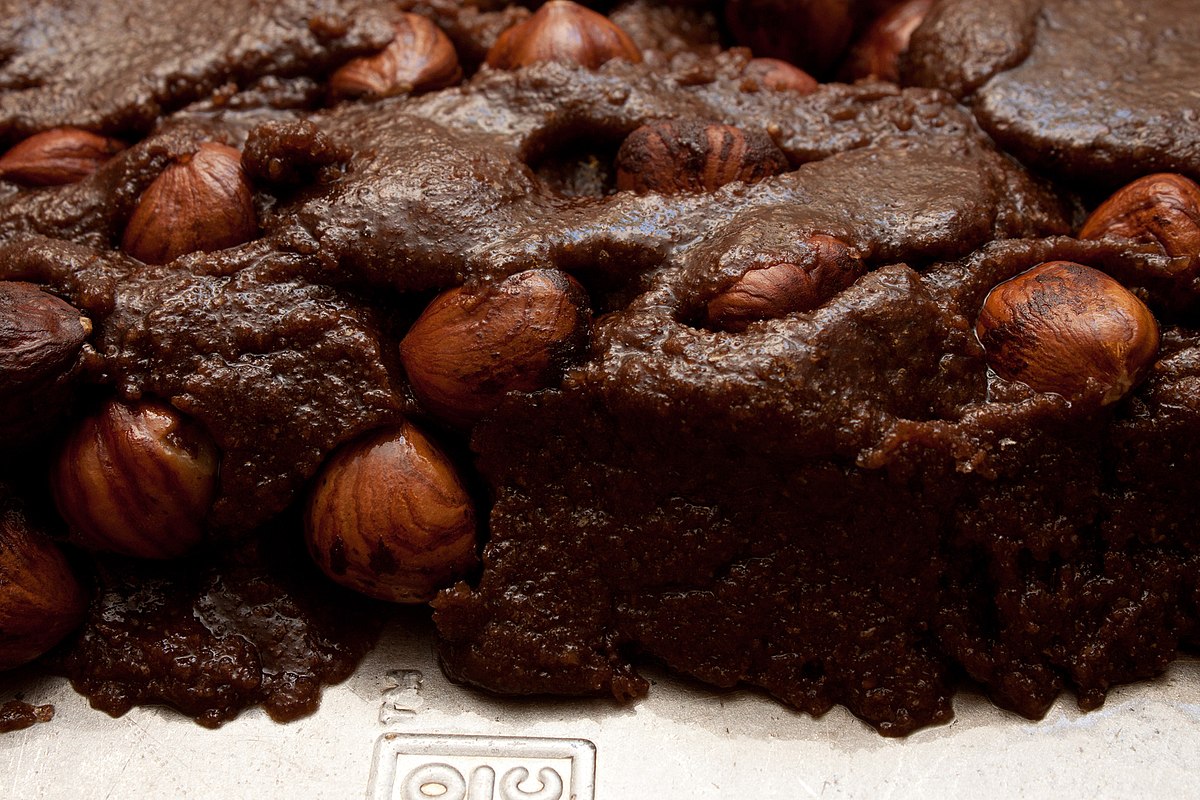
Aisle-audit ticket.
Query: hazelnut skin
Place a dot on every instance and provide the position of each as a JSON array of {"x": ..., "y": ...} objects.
[
  {"x": 421, "y": 58},
  {"x": 57, "y": 157},
  {"x": 138, "y": 480},
  {"x": 389, "y": 518},
  {"x": 690, "y": 155},
  {"x": 202, "y": 202},
  {"x": 562, "y": 31},
  {"x": 778, "y": 76},
  {"x": 821, "y": 267},
  {"x": 470, "y": 348},
  {"x": 877, "y": 52},
  {"x": 41, "y": 344},
  {"x": 1162, "y": 209},
  {"x": 40, "y": 599},
  {"x": 1068, "y": 329}
]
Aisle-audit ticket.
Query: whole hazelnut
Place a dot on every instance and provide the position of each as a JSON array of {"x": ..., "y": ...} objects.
[
  {"x": 562, "y": 31},
  {"x": 389, "y": 517},
  {"x": 1068, "y": 329},
  {"x": 690, "y": 155},
  {"x": 809, "y": 33},
  {"x": 40, "y": 599},
  {"x": 820, "y": 267},
  {"x": 1162, "y": 209},
  {"x": 57, "y": 157},
  {"x": 877, "y": 52},
  {"x": 41, "y": 343},
  {"x": 779, "y": 76},
  {"x": 420, "y": 58},
  {"x": 138, "y": 480},
  {"x": 470, "y": 348},
  {"x": 201, "y": 202}
]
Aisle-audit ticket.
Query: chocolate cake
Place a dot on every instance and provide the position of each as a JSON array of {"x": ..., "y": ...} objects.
[{"x": 613, "y": 333}]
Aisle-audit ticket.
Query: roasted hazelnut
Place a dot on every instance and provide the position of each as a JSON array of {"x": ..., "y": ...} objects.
[
  {"x": 40, "y": 599},
  {"x": 41, "y": 342},
  {"x": 57, "y": 157},
  {"x": 470, "y": 348},
  {"x": 877, "y": 51},
  {"x": 1068, "y": 329},
  {"x": 562, "y": 31},
  {"x": 419, "y": 59},
  {"x": 1162, "y": 209},
  {"x": 820, "y": 267},
  {"x": 689, "y": 155},
  {"x": 201, "y": 202},
  {"x": 389, "y": 517},
  {"x": 809, "y": 33},
  {"x": 138, "y": 480},
  {"x": 779, "y": 76}
]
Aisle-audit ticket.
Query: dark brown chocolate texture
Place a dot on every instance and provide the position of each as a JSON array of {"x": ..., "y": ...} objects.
[{"x": 727, "y": 480}]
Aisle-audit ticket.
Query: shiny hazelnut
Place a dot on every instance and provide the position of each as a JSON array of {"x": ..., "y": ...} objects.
[
  {"x": 877, "y": 52},
  {"x": 819, "y": 268},
  {"x": 809, "y": 33},
  {"x": 420, "y": 58},
  {"x": 470, "y": 348},
  {"x": 40, "y": 599},
  {"x": 562, "y": 31},
  {"x": 201, "y": 202},
  {"x": 138, "y": 480},
  {"x": 1162, "y": 209},
  {"x": 779, "y": 76},
  {"x": 690, "y": 155},
  {"x": 41, "y": 342},
  {"x": 389, "y": 517},
  {"x": 1070, "y": 330},
  {"x": 57, "y": 157}
]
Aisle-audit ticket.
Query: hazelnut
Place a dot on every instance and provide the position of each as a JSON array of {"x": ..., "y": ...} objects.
[
  {"x": 689, "y": 155},
  {"x": 40, "y": 599},
  {"x": 562, "y": 31},
  {"x": 389, "y": 517},
  {"x": 809, "y": 33},
  {"x": 420, "y": 58},
  {"x": 877, "y": 52},
  {"x": 779, "y": 76},
  {"x": 57, "y": 157},
  {"x": 1161, "y": 209},
  {"x": 41, "y": 342},
  {"x": 1068, "y": 329},
  {"x": 470, "y": 348},
  {"x": 138, "y": 480},
  {"x": 822, "y": 267},
  {"x": 201, "y": 202}
]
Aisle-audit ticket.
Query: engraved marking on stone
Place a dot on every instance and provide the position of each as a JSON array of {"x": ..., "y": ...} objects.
[
  {"x": 402, "y": 698},
  {"x": 443, "y": 767}
]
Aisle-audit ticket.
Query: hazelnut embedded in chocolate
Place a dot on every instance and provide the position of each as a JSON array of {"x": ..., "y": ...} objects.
[
  {"x": 877, "y": 52},
  {"x": 57, "y": 157},
  {"x": 1162, "y": 209},
  {"x": 562, "y": 31},
  {"x": 471, "y": 347},
  {"x": 1068, "y": 329},
  {"x": 420, "y": 58},
  {"x": 389, "y": 517},
  {"x": 137, "y": 479},
  {"x": 690, "y": 155},
  {"x": 201, "y": 202}
]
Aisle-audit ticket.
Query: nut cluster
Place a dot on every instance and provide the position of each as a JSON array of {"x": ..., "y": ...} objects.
[
  {"x": 57, "y": 157},
  {"x": 819, "y": 267},
  {"x": 420, "y": 58},
  {"x": 1068, "y": 329},
  {"x": 691, "y": 155},
  {"x": 472, "y": 347},
  {"x": 562, "y": 31},
  {"x": 138, "y": 480},
  {"x": 41, "y": 341},
  {"x": 201, "y": 202},
  {"x": 390, "y": 518}
]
